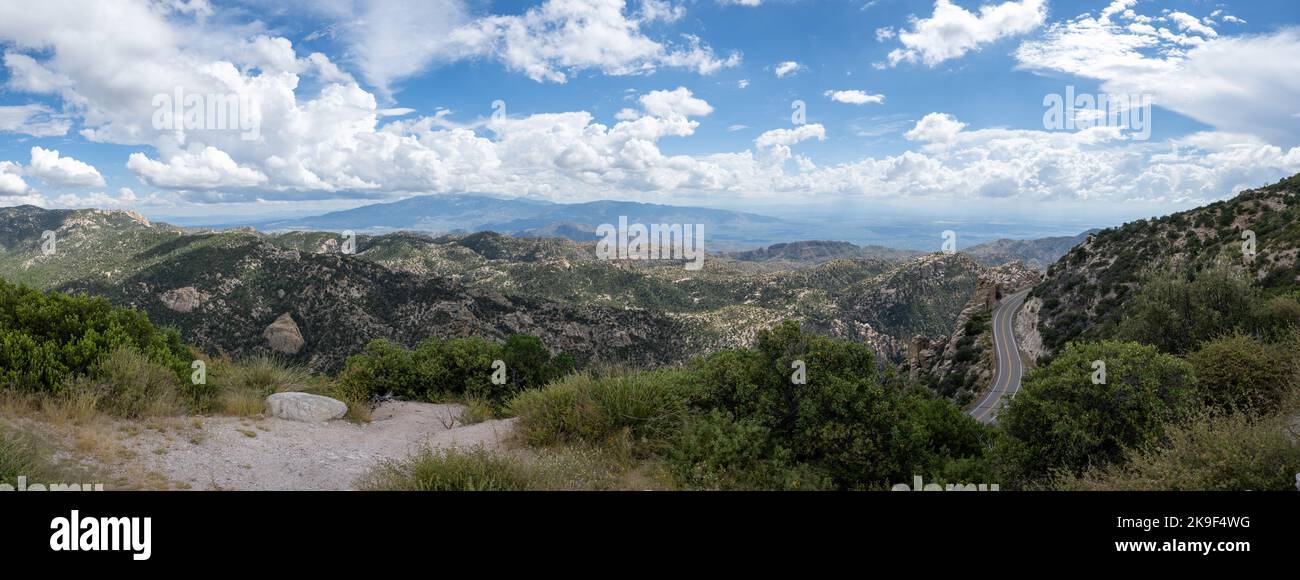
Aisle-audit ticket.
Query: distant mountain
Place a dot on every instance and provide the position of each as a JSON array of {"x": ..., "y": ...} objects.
[
  {"x": 815, "y": 252},
  {"x": 224, "y": 289},
  {"x": 1037, "y": 254},
  {"x": 467, "y": 213}
]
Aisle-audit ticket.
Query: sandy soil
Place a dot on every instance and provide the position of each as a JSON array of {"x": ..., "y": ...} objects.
[{"x": 234, "y": 453}]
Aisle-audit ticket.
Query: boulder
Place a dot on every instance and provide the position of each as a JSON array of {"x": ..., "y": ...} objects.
[
  {"x": 182, "y": 299},
  {"x": 283, "y": 335},
  {"x": 305, "y": 407}
]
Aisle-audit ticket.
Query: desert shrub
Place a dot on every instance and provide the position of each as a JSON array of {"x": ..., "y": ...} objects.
[
  {"x": 1176, "y": 312},
  {"x": 1062, "y": 419},
  {"x": 1240, "y": 372},
  {"x": 717, "y": 451},
  {"x": 1276, "y": 318},
  {"x": 260, "y": 374},
  {"x": 135, "y": 386},
  {"x": 46, "y": 338},
  {"x": 19, "y": 457},
  {"x": 458, "y": 368},
  {"x": 475, "y": 411},
  {"x": 449, "y": 470},
  {"x": 843, "y": 422},
  {"x": 649, "y": 406},
  {"x": 1215, "y": 452}
]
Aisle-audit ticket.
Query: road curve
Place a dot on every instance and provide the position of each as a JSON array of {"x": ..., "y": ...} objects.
[{"x": 1006, "y": 381}]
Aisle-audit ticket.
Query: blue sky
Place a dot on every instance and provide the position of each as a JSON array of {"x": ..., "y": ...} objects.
[{"x": 940, "y": 104}]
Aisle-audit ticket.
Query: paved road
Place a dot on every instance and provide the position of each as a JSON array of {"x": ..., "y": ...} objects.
[{"x": 1006, "y": 381}]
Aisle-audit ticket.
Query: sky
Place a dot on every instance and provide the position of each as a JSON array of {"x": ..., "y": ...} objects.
[{"x": 799, "y": 106}]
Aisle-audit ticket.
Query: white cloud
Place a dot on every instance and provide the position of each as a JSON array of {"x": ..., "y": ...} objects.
[
  {"x": 884, "y": 33},
  {"x": 396, "y": 39},
  {"x": 952, "y": 31},
  {"x": 34, "y": 119},
  {"x": 786, "y": 68},
  {"x": 1236, "y": 84},
  {"x": 11, "y": 181},
  {"x": 742, "y": 84},
  {"x": 206, "y": 168},
  {"x": 936, "y": 128},
  {"x": 58, "y": 171},
  {"x": 854, "y": 97},
  {"x": 677, "y": 102}
]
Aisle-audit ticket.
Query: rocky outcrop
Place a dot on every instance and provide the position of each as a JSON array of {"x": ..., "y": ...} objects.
[
  {"x": 182, "y": 299},
  {"x": 283, "y": 335}
]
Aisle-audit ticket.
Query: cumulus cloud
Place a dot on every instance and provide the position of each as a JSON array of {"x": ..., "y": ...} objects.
[
  {"x": 952, "y": 31},
  {"x": 206, "y": 168},
  {"x": 854, "y": 97},
  {"x": 11, "y": 180},
  {"x": 788, "y": 67},
  {"x": 58, "y": 171}
]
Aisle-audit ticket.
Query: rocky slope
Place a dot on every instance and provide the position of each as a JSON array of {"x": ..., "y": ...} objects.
[{"x": 1083, "y": 292}]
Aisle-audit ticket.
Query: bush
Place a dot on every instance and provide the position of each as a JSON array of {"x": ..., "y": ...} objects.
[
  {"x": 1233, "y": 452},
  {"x": 449, "y": 470},
  {"x": 718, "y": 452},
  {"x": 1239, "y": 372},
  {"x": 593, "y": 407},
  {"x": 458, "y": 368},
  {"x": 134, "y": 386},
  {"x": 46, "y": 339},
  {"x": 1061, "y": 419},
  {"x": 843, "y": 423},
  {"x": 1176, "y": 313}
]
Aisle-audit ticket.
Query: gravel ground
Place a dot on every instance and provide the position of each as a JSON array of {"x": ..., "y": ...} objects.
[{"x": 234, "y": 453}]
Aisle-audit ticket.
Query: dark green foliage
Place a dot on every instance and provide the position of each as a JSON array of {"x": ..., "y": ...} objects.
[
  {"x": 1062, "y": 419},
  {"x": 48, "y": 338},
  {"x": 458, "y": 368},
  {"x": 1214, "y": 452},
  {"x": 1240, "y": 372},
  {"x": 1176, "y": 313}
]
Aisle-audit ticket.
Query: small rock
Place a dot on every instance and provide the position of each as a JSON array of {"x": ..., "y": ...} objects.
[
  {"x": 283, "y": 335},
  {"x": 305, "y": 407}
]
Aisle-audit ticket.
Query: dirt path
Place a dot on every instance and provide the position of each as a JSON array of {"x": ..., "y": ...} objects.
[{"x": 232, "y": 453}]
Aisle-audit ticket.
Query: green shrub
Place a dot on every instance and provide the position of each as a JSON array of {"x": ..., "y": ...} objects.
[
  {"x": 718, "y": 452},
  {"x": 449, "y": 470},
  {"x": 1233, "y": 452},
  {"x": 1177, "y": 312},
  {"x": 46, "y": 338},
  {"x": 453, "y": 369},
  {"x": 1062, "y": 419},
  {"x": 843, "y": 422},
  {"x": 1240, "y": 372},
  {"x": 134, "y": 386},
  {"x": 592, "y": 407}
]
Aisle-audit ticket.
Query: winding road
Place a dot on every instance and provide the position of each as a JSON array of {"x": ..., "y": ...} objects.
[{"x": 1006, "y": 381}]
